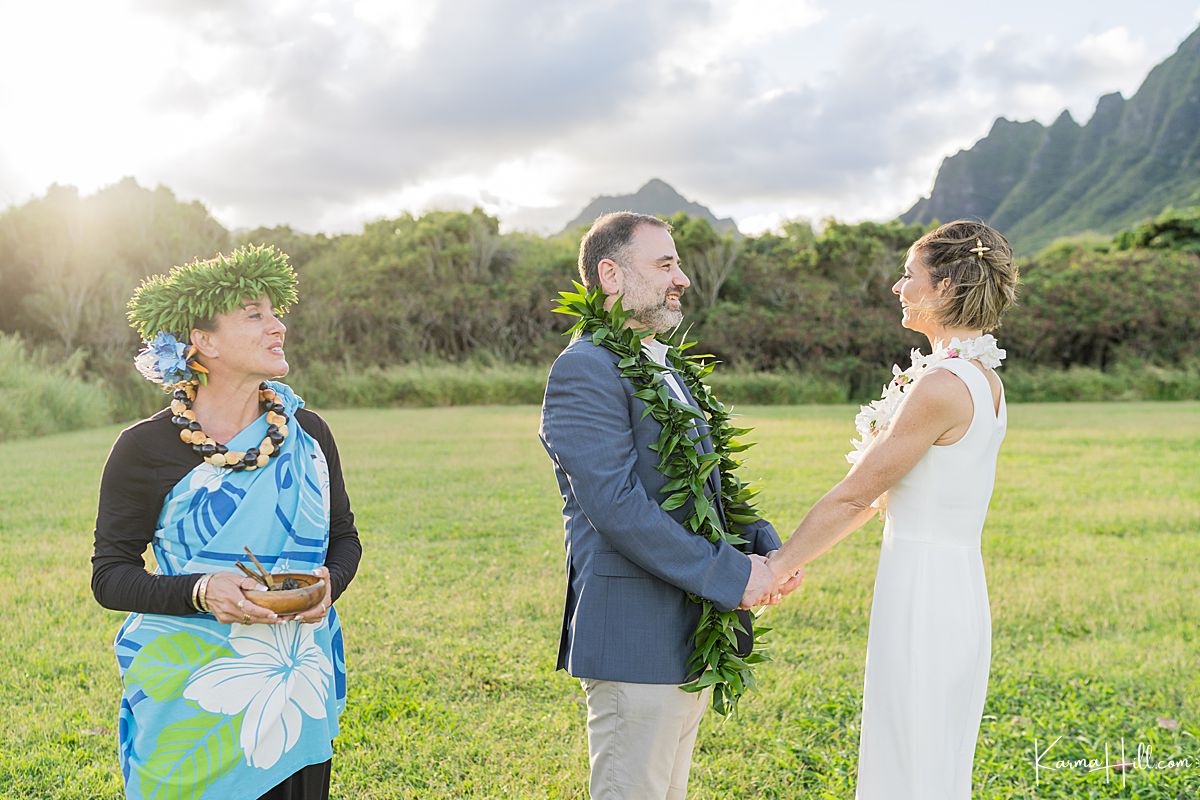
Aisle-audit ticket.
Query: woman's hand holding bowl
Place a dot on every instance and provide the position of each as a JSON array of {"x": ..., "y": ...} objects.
[{"x": 227, "y": 603}]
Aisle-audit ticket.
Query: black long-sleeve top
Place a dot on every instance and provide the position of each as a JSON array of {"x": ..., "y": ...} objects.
[{"x": 146, "y": 462}]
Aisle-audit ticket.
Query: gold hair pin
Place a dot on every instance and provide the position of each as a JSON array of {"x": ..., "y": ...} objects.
[{"x": 979, "y": 249}]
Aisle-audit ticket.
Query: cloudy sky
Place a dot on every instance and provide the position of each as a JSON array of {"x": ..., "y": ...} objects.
[{"x": 324, "y": 115}]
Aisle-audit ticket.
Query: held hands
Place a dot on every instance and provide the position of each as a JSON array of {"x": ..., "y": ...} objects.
[
  {"x": 766, "y": 586},
  {"x": 227, "y": 603}
]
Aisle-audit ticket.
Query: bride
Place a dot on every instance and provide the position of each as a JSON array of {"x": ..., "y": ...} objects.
[{"x": 927, "y": 456}]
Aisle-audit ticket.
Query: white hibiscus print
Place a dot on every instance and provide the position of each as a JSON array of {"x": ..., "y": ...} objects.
[
  {"x": 206, "y": 476},
  {"x": 278, "y": 672}
]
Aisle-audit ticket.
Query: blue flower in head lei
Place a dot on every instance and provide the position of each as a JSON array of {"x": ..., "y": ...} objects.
[{"x": 166, "y": 360}]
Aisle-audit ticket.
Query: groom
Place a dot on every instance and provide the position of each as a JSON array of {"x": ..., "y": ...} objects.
[{"x": 628, "y": 623}]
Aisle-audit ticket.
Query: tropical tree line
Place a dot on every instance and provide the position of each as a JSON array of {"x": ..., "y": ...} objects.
[{"x": 450, "y": 287}]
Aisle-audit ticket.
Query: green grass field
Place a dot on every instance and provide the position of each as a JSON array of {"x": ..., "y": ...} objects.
[{"x": 1091, "y": 551}]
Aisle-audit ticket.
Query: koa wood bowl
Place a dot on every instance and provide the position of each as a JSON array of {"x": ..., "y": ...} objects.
[{"x": 289, "y": 601}]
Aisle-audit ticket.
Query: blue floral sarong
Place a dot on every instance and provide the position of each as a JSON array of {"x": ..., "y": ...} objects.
[{"x": 211, "y": 710}]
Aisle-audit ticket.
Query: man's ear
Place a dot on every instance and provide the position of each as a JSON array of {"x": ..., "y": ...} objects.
[
  {"x": 612, "y": 280},
  {"x": 204, "y": 342}
]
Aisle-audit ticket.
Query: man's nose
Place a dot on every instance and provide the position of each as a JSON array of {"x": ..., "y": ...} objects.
[{"x": 680, "y": 279}]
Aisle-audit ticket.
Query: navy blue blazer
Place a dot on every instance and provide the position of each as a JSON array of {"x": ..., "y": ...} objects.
[{"x": 630, "y": 564}]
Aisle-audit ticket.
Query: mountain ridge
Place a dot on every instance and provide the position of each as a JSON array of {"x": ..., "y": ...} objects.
[
  {"x": 1134, "y": 158},
  {"x": 656, "y": 197}
]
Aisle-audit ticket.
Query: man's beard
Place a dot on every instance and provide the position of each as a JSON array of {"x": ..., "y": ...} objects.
[
  {"x": 653, "y": 313},
  {"x": 658, "y": 318}
]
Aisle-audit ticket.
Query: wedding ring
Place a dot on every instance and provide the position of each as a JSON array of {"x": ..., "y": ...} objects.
[{"x": 245, "y": 619}]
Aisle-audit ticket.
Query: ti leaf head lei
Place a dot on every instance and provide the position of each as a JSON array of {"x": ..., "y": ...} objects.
[{"x": 714, "y": 661}]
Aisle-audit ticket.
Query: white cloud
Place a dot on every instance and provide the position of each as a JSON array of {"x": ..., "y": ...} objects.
[
  {"x": 405, "y": 25},
  {"x": 325, "y": 114},
  {"x": 732, "y": 33}
]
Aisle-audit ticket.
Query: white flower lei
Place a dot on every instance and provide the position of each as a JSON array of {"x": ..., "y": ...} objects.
[{"x": 875, "y": 417}]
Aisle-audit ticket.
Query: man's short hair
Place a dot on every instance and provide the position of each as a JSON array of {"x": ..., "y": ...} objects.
[{"x": 607, "y": 238}]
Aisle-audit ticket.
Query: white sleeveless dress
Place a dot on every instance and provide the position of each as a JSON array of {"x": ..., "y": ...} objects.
[{"x": 930, "y": 641}]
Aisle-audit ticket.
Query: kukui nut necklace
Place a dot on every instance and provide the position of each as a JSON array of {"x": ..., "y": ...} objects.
[{"x": 218, "y": 454}]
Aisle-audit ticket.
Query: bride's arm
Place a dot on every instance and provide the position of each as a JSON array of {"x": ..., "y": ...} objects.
[{"x": 936, "y": 404}]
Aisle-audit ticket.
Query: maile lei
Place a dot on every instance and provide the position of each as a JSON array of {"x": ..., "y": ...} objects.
[
  {"x": 874, "y": 418},
  {"x": 714, "y": 659}
]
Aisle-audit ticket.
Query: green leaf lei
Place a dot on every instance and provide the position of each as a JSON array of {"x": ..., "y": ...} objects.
[
  {"x": 714, "y": 659},
  {"x": 205, "y": 288}
]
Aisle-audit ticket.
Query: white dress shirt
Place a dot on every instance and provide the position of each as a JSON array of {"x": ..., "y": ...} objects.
[{"x": 658, "y": 354}]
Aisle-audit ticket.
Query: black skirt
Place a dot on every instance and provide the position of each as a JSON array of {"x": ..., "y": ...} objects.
[{"x": 309, "y": 783}]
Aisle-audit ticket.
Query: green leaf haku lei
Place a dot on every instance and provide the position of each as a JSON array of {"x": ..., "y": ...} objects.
[
  {"x": 714, "y": 659},
  {"x": 201, "y": 290}
]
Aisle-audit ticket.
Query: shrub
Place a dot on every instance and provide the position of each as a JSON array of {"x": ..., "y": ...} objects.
[{"x": 41, "y": 395}]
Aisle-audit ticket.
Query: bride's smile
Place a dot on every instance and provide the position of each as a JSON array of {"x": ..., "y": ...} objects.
[{"x": 914, "y": 290}]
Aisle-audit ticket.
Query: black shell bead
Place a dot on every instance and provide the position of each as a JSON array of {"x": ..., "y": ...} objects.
[
  {"x": 208, "y": 449},
  {"x": 264, "y": 386},
  {"x": 222, "y": 449},
  {"x": 180, "y": 394},
  {"x": 249, "y": 459},
  {"x": 180, "y": 422},
  {"x": 193, "y": 425},
  {"x": 277, "y": 408},
  {"x": 276, "y": 437}
]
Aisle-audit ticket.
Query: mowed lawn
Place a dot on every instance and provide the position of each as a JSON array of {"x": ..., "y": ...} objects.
[{"x": 1091, "y": 548}]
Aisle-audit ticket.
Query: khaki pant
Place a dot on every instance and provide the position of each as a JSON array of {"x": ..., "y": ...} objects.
[{"x": 640, "y": 738}]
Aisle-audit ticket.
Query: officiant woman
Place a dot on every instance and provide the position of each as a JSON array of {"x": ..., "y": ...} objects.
[{"x": 221, "y": 696}]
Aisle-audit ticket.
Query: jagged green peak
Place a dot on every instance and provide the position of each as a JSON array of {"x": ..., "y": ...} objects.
[
  {"x": 1133, "y": 158},
  {"x": 1064, "y": 120}
]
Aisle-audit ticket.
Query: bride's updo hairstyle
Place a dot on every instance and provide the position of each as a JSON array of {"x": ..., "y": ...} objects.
[{"x": 979, "y": 263}]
